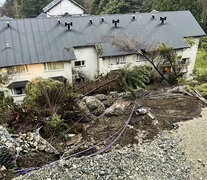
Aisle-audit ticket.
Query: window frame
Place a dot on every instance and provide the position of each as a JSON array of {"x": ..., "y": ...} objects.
[
  {"x": 184, "y": 63},
  {"x": 47, "y": 69},
  {"x": 14, "y": 91},
  {"x": 120, "y": 60},
  {"x": 13, "y": 70},
  {"x": 82, "y": 63}
]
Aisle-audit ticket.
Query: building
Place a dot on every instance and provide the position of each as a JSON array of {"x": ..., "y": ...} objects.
[
  {"x": 68, "y": 46},
  {"x": 63, "y": 7}
]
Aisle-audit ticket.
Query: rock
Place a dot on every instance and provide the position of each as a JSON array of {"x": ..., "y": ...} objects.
[
  {"x": 19, "y": 140},
  {"x": 43, "y": 144},
  {"x": 41, "y": 147},
  {"x": 116, "y": 109},
  {"x": 102, "y": 173},
  {"x": 141, "y": 111},
  {"x": 2, "y": 168},
  {"x": 101, "y": 97},
  {"x": 94, "y": 105}
]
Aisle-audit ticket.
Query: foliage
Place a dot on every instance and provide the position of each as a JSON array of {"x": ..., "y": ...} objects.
[
  {"x": 99, "y": 49},
  {"x": 132, "y": 78},
  {"x": 202, "y": 89},
  {"x": 48, "y": 95},
  {"x": 190, "y": 41},
  {"x": 170, "y": 57},
  {"x": 200, "y": 69},
  {"x": 203, "y": 42},
  {"x": 115, "y": 6},
  {"x": 32, "y": 8},
  {"x": 55, "y": 125}
]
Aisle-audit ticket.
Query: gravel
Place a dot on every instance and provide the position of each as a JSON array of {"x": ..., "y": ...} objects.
[
  {"x": 178, "y": 154},
  {"x": 159, "y": 159}
]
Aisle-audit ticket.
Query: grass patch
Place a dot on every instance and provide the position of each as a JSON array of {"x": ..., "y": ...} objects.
[{"x": 200, "y": 69}]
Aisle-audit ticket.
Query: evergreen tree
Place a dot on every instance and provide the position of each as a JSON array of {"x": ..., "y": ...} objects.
[{"x": 32, "y": 8}]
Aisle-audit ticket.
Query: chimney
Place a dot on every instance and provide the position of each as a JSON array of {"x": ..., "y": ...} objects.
[
  {"x": 90, "y": 21},
  {"x": 163, "y": 19},
  {"x": 133, "y": 18},
  {"x": 8, "y": 24},
  {"x": 69, "y": 24},
  {"x": 102, "y": 19},
  {"x": 58, "y": 21},
  {"x": 115, "y": 22},
  {"x": 153, "y": 16}
]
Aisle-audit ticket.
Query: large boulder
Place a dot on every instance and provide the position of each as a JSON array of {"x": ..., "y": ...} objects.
[
  {"x": 117, "y": 108},
  {"x": 95, "y": 106},
  {"x": 106, "y": 100},
  {"x": 8, "y": 149}
]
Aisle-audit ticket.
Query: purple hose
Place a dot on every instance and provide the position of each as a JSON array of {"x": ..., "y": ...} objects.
[
  {"x": 115, "y": 140},
  {"x": 27, "y": 170}
]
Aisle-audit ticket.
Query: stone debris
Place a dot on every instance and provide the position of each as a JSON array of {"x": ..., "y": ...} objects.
[
  {"x": 95, "y": 106},
  {"x": 117, "y": 108},
  {"x": 159, "y": 159}
]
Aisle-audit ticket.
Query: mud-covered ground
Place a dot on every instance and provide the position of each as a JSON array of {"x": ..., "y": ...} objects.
[{"x": 167, "y": 112}]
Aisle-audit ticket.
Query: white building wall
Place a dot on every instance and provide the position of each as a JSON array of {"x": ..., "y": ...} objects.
[
  {"x": 89, "y": 55},
  {"x": 65, "y": 6},
  {"x": 190, "y": 53},
  {"x": 108, "y": 64},
  {"x": 37, "y": 70}
]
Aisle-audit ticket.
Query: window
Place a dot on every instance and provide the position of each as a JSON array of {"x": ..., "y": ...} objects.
[
  {"x": 79, "y": 63},
  {"x": 120, "y": 60},
  {"x": 138, "y": 58},
  {"x": 166, "y": 69},
  {"x": 17, "y": 69},
  {"x": 53, "y": 66},
  {"x": 185, "y": 61},
  {"x": 18, "y": 91}
]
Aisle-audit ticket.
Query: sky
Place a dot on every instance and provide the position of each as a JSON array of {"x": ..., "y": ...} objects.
[{"x": 2, "y": 2}]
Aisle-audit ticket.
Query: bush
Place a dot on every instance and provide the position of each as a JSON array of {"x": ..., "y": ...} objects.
[
  {"x": 132, "y": 78},
  {"x": 203, "y": 42},
  {"x": 200, "y": 69},
  {"x": 47, "y": 95},
  {"x": 202, "y": 89},
  {"x": 55, "y": 125}
]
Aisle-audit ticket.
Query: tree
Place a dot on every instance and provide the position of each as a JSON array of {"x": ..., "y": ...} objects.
[
  {"x": 11, "y": 8},
  {"x": 115, "y": 6},
  {"x": 48, "y": 96},
  {"x": 32, "y": 8},
  {"x": 158, "y": 55}
]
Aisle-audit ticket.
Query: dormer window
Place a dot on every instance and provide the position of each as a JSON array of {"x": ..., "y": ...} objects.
[
  {"x": 53, "y": 66},
  {"x": 17, "y": 69}
]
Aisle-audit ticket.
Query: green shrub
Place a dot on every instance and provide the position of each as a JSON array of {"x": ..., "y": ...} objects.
[
  {"x": 203, "y": 42},
  {"x": 55, "y": 125},
  {"x": 200, "y": 69},
  {"x": 47, "y": 95},
  {"x": 202, "y": 89},
  {"x": 132, "y": 78}
]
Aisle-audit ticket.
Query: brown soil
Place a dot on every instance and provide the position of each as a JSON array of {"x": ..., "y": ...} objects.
[{"x": 142, "y": 128}]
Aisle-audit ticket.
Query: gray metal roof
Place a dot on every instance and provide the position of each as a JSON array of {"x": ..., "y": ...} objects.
[
  {"x": 42, "y": 15},
  {"x": 55, "y": 2},
  {"x": 29, "y": 41}
]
